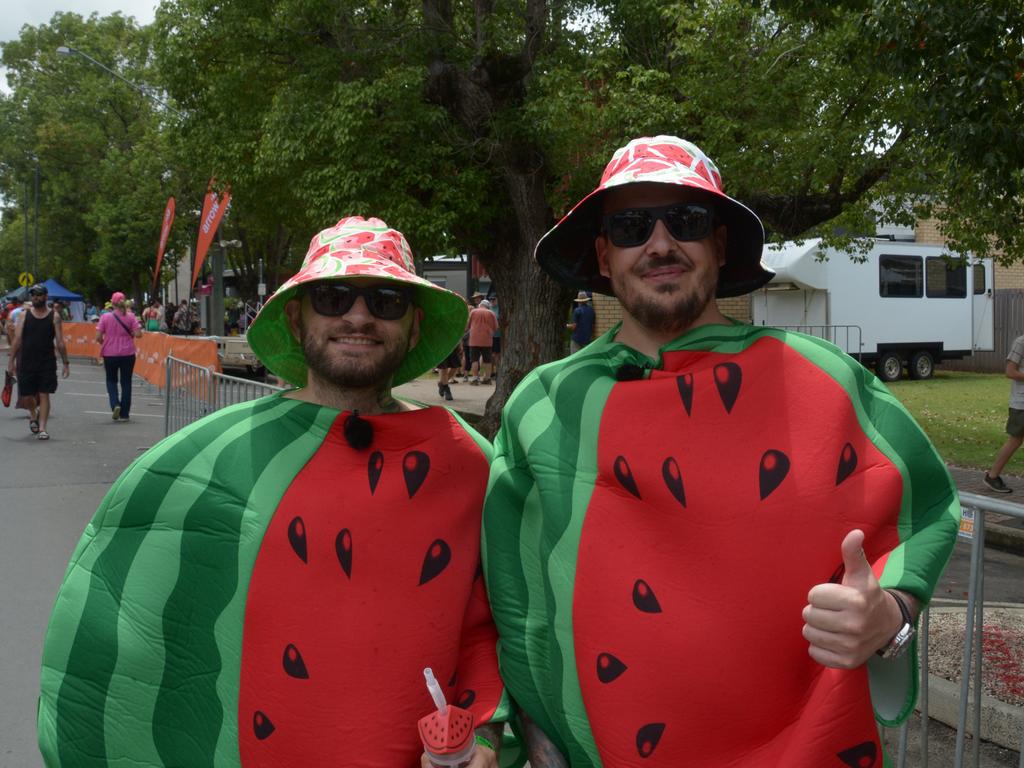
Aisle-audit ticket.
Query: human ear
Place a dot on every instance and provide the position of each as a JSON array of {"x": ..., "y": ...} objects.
[
  {"x": 414, "y": 329},
  {"x": 293, "y": 311},
  {"x": 601, "y": 247},
  {"x": 721, "y": 238}
]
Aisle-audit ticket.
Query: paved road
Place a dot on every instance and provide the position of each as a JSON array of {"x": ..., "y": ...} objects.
[{"x": 49, "y": 490}]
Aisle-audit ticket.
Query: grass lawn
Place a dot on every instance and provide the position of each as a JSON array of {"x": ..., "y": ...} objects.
[{"x": 964, "y": 414}]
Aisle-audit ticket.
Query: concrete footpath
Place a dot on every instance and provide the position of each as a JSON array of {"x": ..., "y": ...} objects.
[{"x": 50, "y": 489}]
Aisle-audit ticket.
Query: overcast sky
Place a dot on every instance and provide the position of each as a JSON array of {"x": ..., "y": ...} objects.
[{"x": 17, "y": 13}]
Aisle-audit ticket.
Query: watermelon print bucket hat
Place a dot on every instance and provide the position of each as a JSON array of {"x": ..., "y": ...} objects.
[
  {"x": 358, "y": 247},
  {"x": 567, "y": 251}
]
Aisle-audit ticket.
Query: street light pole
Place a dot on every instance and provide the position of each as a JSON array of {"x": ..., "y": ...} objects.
[{"x": 65, "y": 50}]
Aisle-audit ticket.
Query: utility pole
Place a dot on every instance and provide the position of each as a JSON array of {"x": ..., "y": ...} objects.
[
  {"x": 35, "y": 243},
  {"x": 28, "y": 264}
]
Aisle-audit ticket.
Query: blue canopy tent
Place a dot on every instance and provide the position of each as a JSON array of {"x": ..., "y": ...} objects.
[{"x": 57, "y": 292}]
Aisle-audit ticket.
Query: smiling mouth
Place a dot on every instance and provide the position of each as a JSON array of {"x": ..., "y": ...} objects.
[{"x": 361, "y": 341}]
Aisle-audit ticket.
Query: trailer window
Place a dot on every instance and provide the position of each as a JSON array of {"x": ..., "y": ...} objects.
[
  {"x": 945, "y": 279},
  {"x": 900, "y": 277},
  {"x": 979, "y": 279}
]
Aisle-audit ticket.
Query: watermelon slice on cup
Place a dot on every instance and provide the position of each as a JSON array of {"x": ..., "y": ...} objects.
[{"x": 447, "y": 732}]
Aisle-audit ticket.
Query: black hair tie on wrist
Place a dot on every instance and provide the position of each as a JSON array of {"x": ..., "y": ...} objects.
[{"x": 358, "y": 431}]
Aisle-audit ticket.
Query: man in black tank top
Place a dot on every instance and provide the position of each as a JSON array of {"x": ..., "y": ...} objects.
[{"x": 33, "y": 358}]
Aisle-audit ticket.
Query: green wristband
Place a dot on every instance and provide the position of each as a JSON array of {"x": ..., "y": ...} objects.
[{"x": 484, "y": 743}]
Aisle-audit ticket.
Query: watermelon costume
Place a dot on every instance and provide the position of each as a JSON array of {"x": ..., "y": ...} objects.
[
  {"x": 255, "y": 592},
  {"x": 649, "y": 545}
]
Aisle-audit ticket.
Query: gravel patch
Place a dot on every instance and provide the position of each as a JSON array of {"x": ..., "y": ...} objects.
[{"x": 1002, "y": 670}]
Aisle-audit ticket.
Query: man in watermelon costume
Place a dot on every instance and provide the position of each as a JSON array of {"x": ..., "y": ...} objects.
[
  {"x": 699, "y": 534},
  {"x": 265, "y": 587}
]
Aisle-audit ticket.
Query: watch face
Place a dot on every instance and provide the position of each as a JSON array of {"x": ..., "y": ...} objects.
[{"x": 900, "y": 643}]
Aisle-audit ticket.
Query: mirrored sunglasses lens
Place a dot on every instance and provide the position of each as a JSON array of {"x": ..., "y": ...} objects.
[
  {"x": 629, "y": 228},
  {"x": 388, "y": 303},
  {"x": 688, "y": 222},
  {"x": 332, "y": 300}
]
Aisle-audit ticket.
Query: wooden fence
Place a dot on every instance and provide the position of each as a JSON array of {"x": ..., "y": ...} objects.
[{"x": 1008, "y": 314}]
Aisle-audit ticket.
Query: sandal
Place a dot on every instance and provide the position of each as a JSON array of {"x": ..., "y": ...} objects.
[
  {"x": 33, "y": 426},
  {"x": 42, "y": 435}
]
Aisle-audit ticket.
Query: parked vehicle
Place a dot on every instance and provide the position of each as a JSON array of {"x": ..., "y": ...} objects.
[
  {"x": 904, "y": 305},
  {"x": 235, "y": 354}
]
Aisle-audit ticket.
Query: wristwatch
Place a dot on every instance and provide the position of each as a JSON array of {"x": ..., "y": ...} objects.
[{"x": 901, "y": 641}]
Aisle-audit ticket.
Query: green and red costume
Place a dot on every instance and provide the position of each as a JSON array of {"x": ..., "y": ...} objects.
[
  {"x": 255, "y": 592},
  {"x": 649, "y": 545}
]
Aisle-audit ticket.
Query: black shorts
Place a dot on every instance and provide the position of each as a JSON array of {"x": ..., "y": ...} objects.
[
  {"x": 454, "y": 360},
  {"x": 1015, "y": 423},
  {"x": 34, "y": 381},
  {"x": 476, "y": 353},
  {"x": 496, "y": 345}
]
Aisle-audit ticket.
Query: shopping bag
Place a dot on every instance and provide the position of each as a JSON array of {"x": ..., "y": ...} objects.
[{"x": 8, "y": 387}]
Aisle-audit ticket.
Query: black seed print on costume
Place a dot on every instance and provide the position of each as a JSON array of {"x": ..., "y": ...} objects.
[
  {"x": 728, "y": 378},
  {"x": 439, "y": 554},
  {"x": 261, "y": 725},
  {"x": 343, "y": 549},
  {"x": 415, "y": 466},
  {"x": 455, "y": 677},
  {"x": 861, "y": 756},
  {"x": 647, "y": 738},
  {"x": 685, "y": 384},
  {"x": 837, "y": 574},
  {"x": 625, "y": 475},
  {"x": 609, "y": 667},
  {"x": 774, "y": 468},
  {"x": 374, "y": 468},
  {"x": 294, "y": 666},
  {"x": 466, "y": 698},
  {"x": 297, "y": 537},
  {"x": 847, "y": 463},
  {"x": 644, "y": 599},
  {"x": 673, "y": 479}
]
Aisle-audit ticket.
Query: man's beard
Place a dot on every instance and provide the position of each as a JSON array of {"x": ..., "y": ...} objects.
[
  {"x": 348, "y": 372},
  {"x": 687, "y": 306}
]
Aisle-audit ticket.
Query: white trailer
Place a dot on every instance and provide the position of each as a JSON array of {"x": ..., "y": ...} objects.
[{"x": 905, "y": 305}]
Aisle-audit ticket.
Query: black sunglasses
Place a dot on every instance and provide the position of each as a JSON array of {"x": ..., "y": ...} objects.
[
  {"x": 334, "y": 299},
  {"x": 633, "y": 226}
]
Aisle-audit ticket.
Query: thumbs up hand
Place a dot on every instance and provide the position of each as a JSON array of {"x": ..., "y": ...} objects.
[{"x": 846, "y": 623}]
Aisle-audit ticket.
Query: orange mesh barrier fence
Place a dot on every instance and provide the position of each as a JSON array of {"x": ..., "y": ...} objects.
[{"x": 151, "y": 350}]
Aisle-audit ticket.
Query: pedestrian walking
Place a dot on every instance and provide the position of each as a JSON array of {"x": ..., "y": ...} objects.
[
  {"x": 116, "y": 334},
  {"x": 266, "y": 586},
  {"x": 1014, "y": 421},
  {"x": 482, "y": 324},
  {"x": 707, "y": 542},
  {"x": 38, "y": 339},
  {"x": 582, "y": 325}
]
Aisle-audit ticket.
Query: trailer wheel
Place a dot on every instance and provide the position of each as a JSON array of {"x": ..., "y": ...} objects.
[
  {"x": 922, "y": 365},
  {"x": 889, "y": 366}
]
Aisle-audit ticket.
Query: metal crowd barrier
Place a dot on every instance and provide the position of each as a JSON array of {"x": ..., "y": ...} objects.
[
  {"x": 847, "y": 337},
  {"x": 192, "y": 392},
  {"x": 974, "y": 508}
]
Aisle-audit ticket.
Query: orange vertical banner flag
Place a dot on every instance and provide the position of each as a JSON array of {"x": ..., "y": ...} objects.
[
  {"x": 213, "y": 211},
  {"x": 165, "y": 231}
]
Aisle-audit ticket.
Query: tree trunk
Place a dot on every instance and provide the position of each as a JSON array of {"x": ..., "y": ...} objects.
[{"x": 533, "y": 307}]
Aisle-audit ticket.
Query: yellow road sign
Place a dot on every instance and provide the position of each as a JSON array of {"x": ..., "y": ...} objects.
[{"x": 26, "y": 279}]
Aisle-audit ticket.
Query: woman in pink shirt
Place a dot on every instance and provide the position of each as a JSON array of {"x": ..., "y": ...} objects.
[{"x": 116, "y": 336}]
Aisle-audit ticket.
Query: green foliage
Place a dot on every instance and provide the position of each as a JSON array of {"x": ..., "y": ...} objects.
[{"x": 100, "y": 149}]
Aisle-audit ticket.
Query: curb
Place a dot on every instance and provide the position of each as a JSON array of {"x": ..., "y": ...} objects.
[{"x": 1001, "y": 723}]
